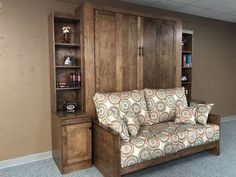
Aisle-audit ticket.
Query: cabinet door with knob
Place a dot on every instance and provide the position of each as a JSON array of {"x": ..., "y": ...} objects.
[
  {"x": 116, "y": 51},
  {"x": 134, "y": 52},
  {"x": 76, "y": 143},
  {"x": 161, "y": 59}
]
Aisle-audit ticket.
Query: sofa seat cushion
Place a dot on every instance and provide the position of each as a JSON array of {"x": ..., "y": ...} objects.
[{"x": 165, "y": 138}]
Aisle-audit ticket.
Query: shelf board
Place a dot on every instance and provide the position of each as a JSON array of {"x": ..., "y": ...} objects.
[
  {"x": 69, "y": 88},
  {"x": 66, "y": 16},
  {"x": 184, "y": 83},
  {"x": 67, "y": 44},
  {"x": 185, "y": 51},
  {"x": 68, "y": 67},
  {"x": 186, "y": 67}
]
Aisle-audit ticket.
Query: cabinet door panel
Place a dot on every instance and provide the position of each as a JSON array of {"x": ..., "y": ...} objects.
[
  {"x": 151, "y": 42},
  {"x": 129, "y": 38},
  {"x": 76, "y": 143},
  {"x": 116, "y": 47},
  {"x": 167, "y": 55},
  {"x": 159, "y": 60},
  {"x": 105, "y": 51}
]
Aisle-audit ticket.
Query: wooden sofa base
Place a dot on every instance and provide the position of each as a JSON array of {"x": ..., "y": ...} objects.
[
  {"x": 166, "y": 158},
  {"x": 106, "y": 151}
]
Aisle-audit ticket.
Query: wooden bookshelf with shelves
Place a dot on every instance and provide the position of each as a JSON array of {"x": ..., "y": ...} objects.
[
  {"x": 187, "y": 53},
  {"x": 61, "y": 73},
  {"x": 71, "y": 131}
]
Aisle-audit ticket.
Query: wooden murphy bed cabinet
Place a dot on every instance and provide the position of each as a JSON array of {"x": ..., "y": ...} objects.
[
  {"x": 135, "y": 52},
  {"x": 125, "y": 50},
  {"x": 71, "y": 132}
]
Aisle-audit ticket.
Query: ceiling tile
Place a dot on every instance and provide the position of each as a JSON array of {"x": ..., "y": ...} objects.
[
  {"x": 227, "y": 7},
  {"x": 143, "y": 2},
  {"x": 183, "y": 1},
  {"x": 170, "y": 5},
  {"x": 217, "y": 9},
  {"x": 189, "y": 9},
  {"x": 209, "y": 3},
  {"x": 226, "y": 17},
  {"x": 209, "y": 13},
  {"x": 232, "y": 12}
]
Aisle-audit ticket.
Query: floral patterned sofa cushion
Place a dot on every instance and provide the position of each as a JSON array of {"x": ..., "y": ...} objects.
[
  {"x": 162, "y": 104},
  {"x": 121, "y": 103},
  {"x": 165, "y": 138},
  {"x": 202, "y": 112},
  {"x": 132, "y": 122},
  {"x": 185, "y": 115}
]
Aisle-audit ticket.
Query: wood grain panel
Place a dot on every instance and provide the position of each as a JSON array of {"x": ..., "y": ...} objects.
[
  {"x": 151, "y": 47},
  {"x": 76, "y": 143},
  {"x": 116, "y": 57},
  {"x": 167, "y": 58},
  {"x": 88, "y": 63},
  {"x": 160, "y": 59},
  {"x": 129, "y": 28},
  {"x": 105, "y": 51}
]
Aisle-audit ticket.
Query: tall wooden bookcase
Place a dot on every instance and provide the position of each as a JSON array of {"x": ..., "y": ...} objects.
[
  {"x": 71, "y": 132},
  {"x": 187, "y": 53}
]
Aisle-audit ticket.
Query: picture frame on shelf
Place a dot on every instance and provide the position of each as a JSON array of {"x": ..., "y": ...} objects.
[
  {"x": 69, "y": 60},
  {"x": 184, "y": 78}
]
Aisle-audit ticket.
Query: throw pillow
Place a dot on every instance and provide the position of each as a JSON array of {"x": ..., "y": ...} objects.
[
  {"x": 132, "y": 123},
  {"x": 202, "y": 112},
  {"x": 116, "y": 123},
  {"x": 162, "y": 104},
  {"x": 186, "y": 115}
]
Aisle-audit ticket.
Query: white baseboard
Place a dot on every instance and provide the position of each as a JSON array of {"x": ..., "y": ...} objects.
[
  {"x": 228, "y": 118},
  {"x": 25, "y": 159}
]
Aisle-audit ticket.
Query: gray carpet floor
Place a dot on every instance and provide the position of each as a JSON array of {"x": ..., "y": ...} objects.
[{"x": 199, "y": 165}]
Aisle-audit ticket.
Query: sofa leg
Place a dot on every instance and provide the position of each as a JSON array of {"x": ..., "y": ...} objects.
[{"x": 215, "y": 150}]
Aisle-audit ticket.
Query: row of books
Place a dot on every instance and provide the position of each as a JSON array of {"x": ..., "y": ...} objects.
[{"x": 187, "y": 60}]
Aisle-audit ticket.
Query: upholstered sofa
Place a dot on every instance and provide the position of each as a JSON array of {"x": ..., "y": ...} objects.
[{"x": 142, "y": 128}]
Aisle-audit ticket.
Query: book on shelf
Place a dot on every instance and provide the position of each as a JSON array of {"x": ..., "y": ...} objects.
[{"x": 187, "y": 60}]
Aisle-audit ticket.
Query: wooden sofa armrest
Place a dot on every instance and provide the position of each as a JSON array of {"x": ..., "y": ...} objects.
[
  {"x": 108, "y": 129},
  {"x": 214, "y": 119},
  {"x": 106, "y": 150}
]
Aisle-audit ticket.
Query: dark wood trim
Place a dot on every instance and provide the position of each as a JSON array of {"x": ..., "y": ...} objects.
[
  {"x": 214, "y": 119},
  {"x": 88, "y": 61},
  {"x": 132, "y": 12},
  {"x": 66, "y": 16},
  {"x": 106, "y": 150}
]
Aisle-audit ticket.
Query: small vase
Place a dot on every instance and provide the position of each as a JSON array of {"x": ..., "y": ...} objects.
[{"x": 67, "y": 37}]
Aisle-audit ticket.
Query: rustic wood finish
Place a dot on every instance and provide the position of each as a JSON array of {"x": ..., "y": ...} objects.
[
  {"x": 106, "y": 156},
  {"x": 105, "y": 51},
  {"x": 116, "y": 44},
  {"x": 152, "y": 33},
  {"x": 114, "y": 60},
  {"x": 110, "y": 51},
  {"x": 71, "y": 141},
  {"x": 88, "y": 50},
  {"x": 71, "y": 132}
]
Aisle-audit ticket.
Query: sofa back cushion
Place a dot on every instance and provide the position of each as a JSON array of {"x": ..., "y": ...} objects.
[
  {"x": 162, "y": 104},
  {"x": 121, "y": 103}
]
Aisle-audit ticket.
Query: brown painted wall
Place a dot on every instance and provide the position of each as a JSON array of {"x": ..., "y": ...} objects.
[
  {"x": 25, "y": 126},
  {"x": 24, "y": 89}
]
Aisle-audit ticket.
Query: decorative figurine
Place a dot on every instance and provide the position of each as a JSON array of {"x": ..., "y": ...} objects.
[{"x": 66, "y": 34}]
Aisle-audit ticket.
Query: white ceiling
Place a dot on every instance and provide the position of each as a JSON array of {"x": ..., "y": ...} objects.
[{"x": 218, "y": 9}]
